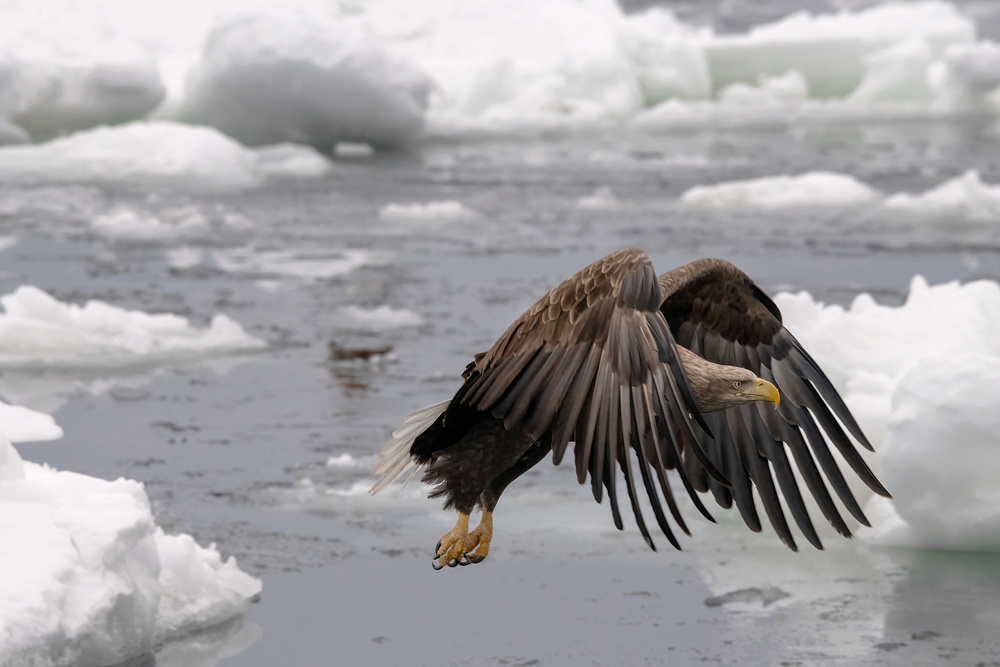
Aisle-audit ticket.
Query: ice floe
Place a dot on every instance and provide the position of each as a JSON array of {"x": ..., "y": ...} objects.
[
  {"x": 811, "y": 189},
  {"x": 379, "y": 318},
  {"x": 21, "y": 424},
  {"x": 176, "y": 224},
  {"x": 379, "y": 72},
  {"x": 308, "y": 77},
  {"x": 160, "y": 153},
  {"x": 918, "y": 378},
  {"x": 435, "y": 212},
  {"x": 302, "y": 264},
  {"x": 964, "y": 197},
  {"x": 39, "y": 331},
  {"x": 95, "y": 581},
  {"x": 602, "y": 199}
]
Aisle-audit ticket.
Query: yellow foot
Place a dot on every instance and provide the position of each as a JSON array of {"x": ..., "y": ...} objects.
[
  {"x": 450, "y": 548},
  {"x": 477, "y": 543}
]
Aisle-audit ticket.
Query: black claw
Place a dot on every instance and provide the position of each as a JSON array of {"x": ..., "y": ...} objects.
[
  {"x": 437, "y": 566},
  {"x": 437, "y": 549},
  {"x": 453, "y": 563},
  {"x": 475, "y": 558}
]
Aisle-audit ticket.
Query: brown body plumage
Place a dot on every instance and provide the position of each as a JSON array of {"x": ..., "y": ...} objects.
[{"x": 671, "y": 370}]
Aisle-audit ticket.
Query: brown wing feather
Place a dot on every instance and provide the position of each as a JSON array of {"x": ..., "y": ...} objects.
[
  {"x": 593, "y": 362},
  {"x": 717, "y": 311}
]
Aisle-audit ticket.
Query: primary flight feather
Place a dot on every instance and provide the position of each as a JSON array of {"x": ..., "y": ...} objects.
[{"x": 674, "y": 370}]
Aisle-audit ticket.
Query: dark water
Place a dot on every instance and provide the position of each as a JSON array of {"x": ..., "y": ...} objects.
[{"x": 234, "y": 451}]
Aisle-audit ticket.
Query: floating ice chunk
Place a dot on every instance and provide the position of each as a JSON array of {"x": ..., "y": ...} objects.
[
  {"x": 520, "y": 62},
  {"x": 159, "y": 153},
  {"x": 93, "y": 580},
  {"x": 380, "y": 318},
  {"x": 431, "y": 212},
  {"x": 831, "y": 50},
  {"x": 342, "y": 461},
  {"x": 291, "y": 161},
  {"x": 814, "y": 188},
  {"x": 353, "y": 149},
  {"x": 50, "y": 87},
  {"x": 602, "y": 199},
  {"x": 308, "y": 265},
  {"x": 968, "y": 76},
  {"x": 896, "y": 74},
  {"x": 940, "y": 456},
  {"x": 787, "y": 88},
  {"x": 964, "y": 197},
  {"x": 20, "y": 424},
  {"x": 315, "y": 79},
  {"x": 200, "y": 585},
  {"x": 667, "y": 55},
  {"x": 184, "y": 223},
  {"x": 915, "y": 378},
  {"x": 39, "y": 331}
]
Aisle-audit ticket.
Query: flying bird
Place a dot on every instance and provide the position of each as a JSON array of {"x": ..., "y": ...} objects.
[{"x": 690, "y": 371}]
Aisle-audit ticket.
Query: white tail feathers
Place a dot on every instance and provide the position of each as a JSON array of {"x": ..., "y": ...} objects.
[{"x": 395, "y": 459}]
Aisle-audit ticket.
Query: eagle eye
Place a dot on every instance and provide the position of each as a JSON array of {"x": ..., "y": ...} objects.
[{"x": 738, "y": 384}]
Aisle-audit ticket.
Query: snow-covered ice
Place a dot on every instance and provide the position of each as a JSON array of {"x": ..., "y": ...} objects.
[
  {"x": 811, "y": 189},
  {"x": 176, "y": 224},
  {"x": 306, "y": 77},
  {"x": 39, "y": 331},
  {"x": 91, "y": 579},
  {"x": 377, "y": 72},
  {"x": 155, "y": 153},
  {"x": 434, "y": 212},
  {"x": 601, "y": 199},
  {"x": 918, "y": 378},
  {"x": 964, "y": 197},
  {"x": 302, "y": 264},
  {"x": 811, "y": 44},
  {"x": 21, "y": 424},
  {"x": 379, "y": 318}
]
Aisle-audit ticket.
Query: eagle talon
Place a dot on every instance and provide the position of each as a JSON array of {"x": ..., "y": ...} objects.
[
  {"x": 436, "y": 565},
  {"x": 472, "y": 559}
]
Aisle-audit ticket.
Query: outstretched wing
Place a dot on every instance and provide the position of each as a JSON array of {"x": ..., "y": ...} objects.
[
  {"x": 717, "y": 312},
  {"x": 593, "y": 362}
]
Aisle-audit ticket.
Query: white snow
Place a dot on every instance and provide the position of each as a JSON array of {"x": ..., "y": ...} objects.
[
  {"x": 964, "y": 197},
  {"x": 176, "y": 224},
  {"x": 832, "y": 50},
  {"x": 814, "y": 188},
  {"x": 308, "y": 77},
  {"x": 377, "y": 72},
  {"x": 435, "y": 212},
  {"x": 602, "y": 199},
  {"x": 159, "y": 153},
  {"x": 90, "y": 578},
  {"x": 379, "y": 318},
  {"x": 918, "y": 378},
  {"x": 39, "y": 331},
  {"x": 302, "y": 264},
  {"x": 21, "y": 424}
]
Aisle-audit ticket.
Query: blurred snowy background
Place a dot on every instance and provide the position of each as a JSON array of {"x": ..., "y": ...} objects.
[{"x": 240, "y": 240}]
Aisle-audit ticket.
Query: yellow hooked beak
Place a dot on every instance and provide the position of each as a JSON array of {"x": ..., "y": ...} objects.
[{"x": 762, "y": 390}]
